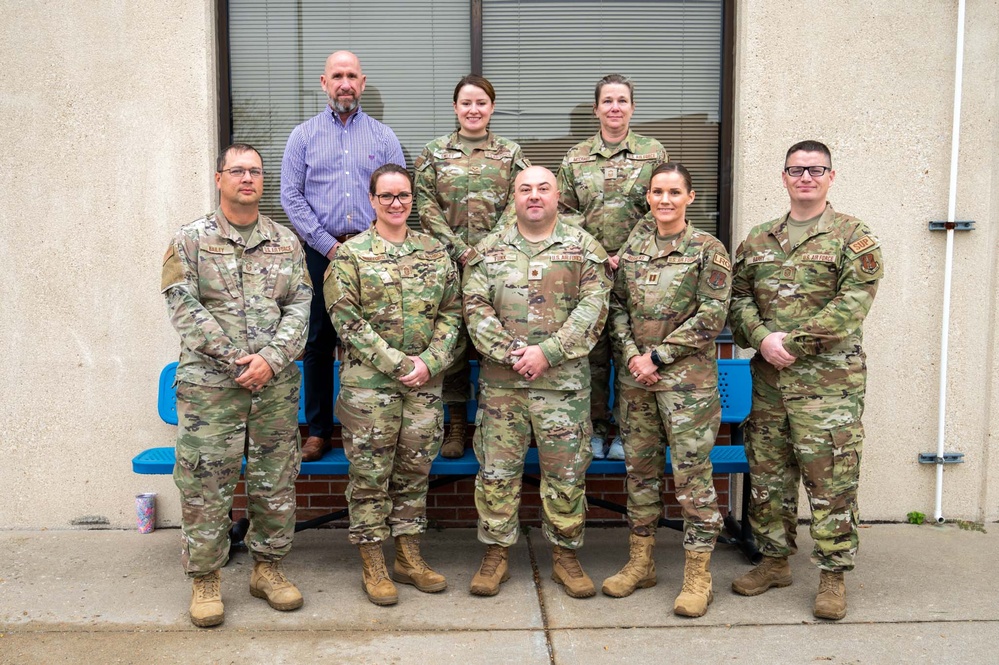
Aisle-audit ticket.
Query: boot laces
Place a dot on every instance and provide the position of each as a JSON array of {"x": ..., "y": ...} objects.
[
  {"x": 274, "y": 575},
  {"x": 376, "y": 560},
  {"x": 634, "y": 553},
  {"x": 570, "y": 563},
  {"x": 208, "y": 586},
  {"x": 693, "y": 582},
  {"x": 411, "y": 546},
  {"x": 491, "y": 561},
  {"x": 829, "y": 584}
]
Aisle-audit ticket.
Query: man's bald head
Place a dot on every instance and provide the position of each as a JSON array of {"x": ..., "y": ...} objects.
[
  {"x": 535, "y": 199},
  {"x": 343, "y": 81}
]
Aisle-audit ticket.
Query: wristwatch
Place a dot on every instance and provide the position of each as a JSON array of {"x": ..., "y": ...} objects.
[{"x": 656, "y": 359}]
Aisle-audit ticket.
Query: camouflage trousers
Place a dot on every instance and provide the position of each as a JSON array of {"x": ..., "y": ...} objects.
[
  {"x": 504, "y": 423},
  {"x": 688, "y": 422},
  {"x": 216, "y": 428},
  {"x": 457, "y": 377},
  {"x": 391, "y": 438},
  {"x": 819, "y": 438},
  {"x": 600, "y": 371}
]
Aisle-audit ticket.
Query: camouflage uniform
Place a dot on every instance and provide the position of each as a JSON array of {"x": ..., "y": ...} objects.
[
  {"x": 674, "y": 301},
  {"x": 388, "y": 302},
  {"x": 461, "y": 194},
  {"x": 555, "y": 296},
  {"x": 229, "y": 299},
  {"x": 808, "y": 415},
  {"x": 603, "y": 190}
]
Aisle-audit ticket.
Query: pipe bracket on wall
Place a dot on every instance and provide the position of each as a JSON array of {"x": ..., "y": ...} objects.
[
  {"x": 948, "y": 458},
  {"x": 957, "y": 226}
]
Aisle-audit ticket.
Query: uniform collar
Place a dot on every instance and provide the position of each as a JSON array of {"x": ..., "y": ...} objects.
[
  {"x": 264, "y": 229},
  {"x": 626, "y": 144},
  {"x": 513, "y": 237},
  {"x": 454, "y": 142},
  {"x": 824, "y": 224},
  {"x": 650, "y": 248}
]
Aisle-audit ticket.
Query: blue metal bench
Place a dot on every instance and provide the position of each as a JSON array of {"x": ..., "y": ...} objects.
[{"x": 734, "y": 384}]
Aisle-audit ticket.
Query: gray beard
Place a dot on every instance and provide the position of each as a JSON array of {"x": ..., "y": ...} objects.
[{"x": 340, "y": 108}]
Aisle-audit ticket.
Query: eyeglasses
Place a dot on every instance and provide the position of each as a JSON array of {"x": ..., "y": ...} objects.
[
  {"x": 239, "y": 172},
  {"x": 387, "y": 199},
  {"x": 814, "y": 171}
]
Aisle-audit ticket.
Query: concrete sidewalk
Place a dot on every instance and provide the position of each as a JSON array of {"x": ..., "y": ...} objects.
[{"x": 920, "y": 594}]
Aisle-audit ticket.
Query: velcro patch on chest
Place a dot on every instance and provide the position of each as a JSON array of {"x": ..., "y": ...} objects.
[
  {"x": 826, "y": 258},
  {"x": 433, "y": 255},
  {"x": 218, "y": 249},
  {"x": 536, "y": 271},
  {"x": 578, "y": 258},
  {"x": 760, "y": 258},
  {"x": 448, "y": 154},
  {"x": 501, "y": 257},
  {"x": 277, "y": 249},
  {"x": 723, "y": 262},
  {"x": 580, "y": 160},
  {"x": 865, "y": 243},
  {"x": 681, "y": 259},
  {"x": 645, "y": 156}
]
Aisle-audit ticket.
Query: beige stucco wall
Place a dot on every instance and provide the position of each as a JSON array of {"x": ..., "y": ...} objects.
[
  {"x": 109, "y": 129},
  {"x": 108, "y": 135},
  {"x": 875, "y": 81}
]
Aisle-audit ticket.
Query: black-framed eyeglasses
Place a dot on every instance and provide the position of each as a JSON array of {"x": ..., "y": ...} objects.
[
  {"x": 814, "y": 171},
  {"x": 239, "y": 172},
  {"x": 387, "y": 199}
]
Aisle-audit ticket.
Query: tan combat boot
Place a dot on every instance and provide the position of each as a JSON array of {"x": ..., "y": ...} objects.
[
  {"x": 375, "y": 578},
  {"x": 830, "y": 603},
  {"x": 268, "y": 582},
  {"x": 206, "y": 600},
  {"x": 410, "y": 568},
  {"x": 567, "y": 572},
  {"x": 696, "y": 594},
  {"x": 454, "y": 442},
  {"x": 638, "y": 573},
  {"x": 493, "y": 571},
  {"x": 773, "y": 572}
]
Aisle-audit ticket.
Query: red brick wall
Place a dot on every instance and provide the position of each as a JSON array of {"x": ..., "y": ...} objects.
[{"x": 453, "y": 505}]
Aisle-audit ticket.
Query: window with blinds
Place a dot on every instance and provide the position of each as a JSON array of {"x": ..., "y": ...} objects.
[
  {"x": 413, "y": 54},
  {"x": 543, "y": 57}
]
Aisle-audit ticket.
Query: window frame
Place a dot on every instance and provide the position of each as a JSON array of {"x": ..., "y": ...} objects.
[{"x": 726, "y": 115}]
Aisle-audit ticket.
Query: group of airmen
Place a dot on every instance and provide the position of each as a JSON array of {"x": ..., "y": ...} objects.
[{"x": 548, "y": 276}]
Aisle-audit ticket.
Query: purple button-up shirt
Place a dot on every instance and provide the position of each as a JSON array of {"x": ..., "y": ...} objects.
[{"x": 325, "y": 174}]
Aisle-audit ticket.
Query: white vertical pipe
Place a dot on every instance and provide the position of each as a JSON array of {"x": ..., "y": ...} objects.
[{"x": 949, "y": 259}]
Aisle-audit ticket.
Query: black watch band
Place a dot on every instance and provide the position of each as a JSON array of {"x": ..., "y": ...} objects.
[{"x": 656, "y": 359}]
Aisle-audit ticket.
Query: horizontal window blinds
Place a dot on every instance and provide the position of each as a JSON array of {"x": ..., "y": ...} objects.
[
  {"x": 545, "y": 56},
  {"x": 413, "y": 54}
]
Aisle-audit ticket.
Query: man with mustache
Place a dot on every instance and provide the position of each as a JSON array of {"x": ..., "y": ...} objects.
[{"x": 325, "y": 172}]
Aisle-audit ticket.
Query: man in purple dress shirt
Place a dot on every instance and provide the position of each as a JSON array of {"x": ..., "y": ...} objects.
[{"x": 324, "y": 185}]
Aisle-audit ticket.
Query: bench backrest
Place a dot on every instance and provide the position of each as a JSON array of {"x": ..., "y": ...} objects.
[{"x": 734, "y": 385}]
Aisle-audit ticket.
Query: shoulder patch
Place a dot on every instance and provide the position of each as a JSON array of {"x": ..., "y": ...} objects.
[
  {"x": 862, "y": 245},
  {"x": 723, "y": 262},
  {"x": 173, "y": 269}
]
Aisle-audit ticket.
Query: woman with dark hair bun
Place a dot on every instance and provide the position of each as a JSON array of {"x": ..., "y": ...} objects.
[
  {"x": 392, "y": 294},
  {"x": 463, "y": 185},
  {"x": 669, "y": 303}
]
